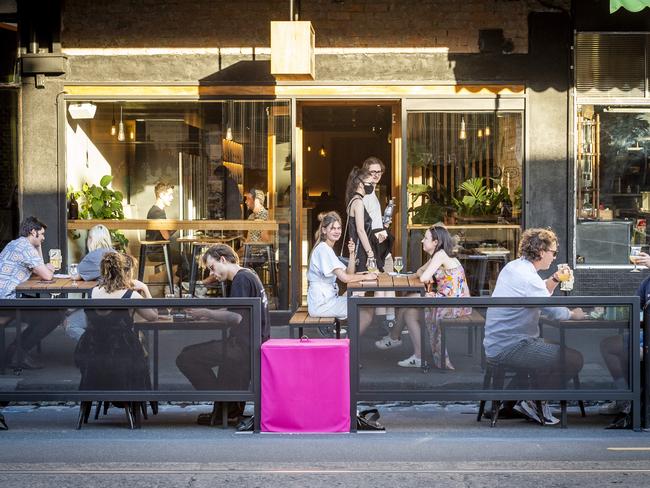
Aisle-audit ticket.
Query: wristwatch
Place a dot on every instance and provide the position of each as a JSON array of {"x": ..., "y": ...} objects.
[{"x": 554, "y": 278}]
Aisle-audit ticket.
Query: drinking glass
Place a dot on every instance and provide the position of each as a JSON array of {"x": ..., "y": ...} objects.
[
  {"x": 73, "y": 271},
  {"x": 635, "y": 251},
  {"x": 398, "y": 264},
  {"x": 371, "y": 264},
  {"x": 565, "y": 275},
  {"x": 169, "y": 309},
  {"x": 55, "y": 258}
]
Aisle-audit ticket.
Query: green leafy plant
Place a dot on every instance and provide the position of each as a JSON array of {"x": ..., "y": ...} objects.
[
  {"x": 477, "y": 199},
  {"x": 433, "y": 208},
  {"x": 102, "y": 202}
]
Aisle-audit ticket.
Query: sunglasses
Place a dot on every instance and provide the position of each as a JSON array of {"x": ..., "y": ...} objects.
[
  {"x": 374, "y": 173},
  {"x": 554, "y": 252}
]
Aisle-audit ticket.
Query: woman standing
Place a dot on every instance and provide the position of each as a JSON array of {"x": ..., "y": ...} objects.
[
  {"x": 325, "y": 268},
  {"x": 359, "y": 220}
]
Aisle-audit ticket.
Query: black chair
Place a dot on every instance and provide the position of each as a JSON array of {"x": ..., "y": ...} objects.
[
  {"x": 147, "y": 247},
  {"x": 197, "y": 248},
  {"x": 261, "y": 257}
]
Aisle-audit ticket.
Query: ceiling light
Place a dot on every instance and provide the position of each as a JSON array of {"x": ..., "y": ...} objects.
[
  {"x": 113, "y": 126},
  {"x": 463, "y": 133},
  {"x": 321, "y": 152},
  {"x": 120, "y": 128},
  {"x": 82, "y": 110}
]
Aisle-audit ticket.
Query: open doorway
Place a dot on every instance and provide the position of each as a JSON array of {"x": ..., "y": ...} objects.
[{"x": 336, "y": 136}]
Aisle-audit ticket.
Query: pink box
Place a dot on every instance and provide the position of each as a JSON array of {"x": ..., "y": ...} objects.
[{"x": 306, "y": 385}]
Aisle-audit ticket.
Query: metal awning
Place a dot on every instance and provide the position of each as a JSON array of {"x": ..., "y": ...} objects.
[{"x": 631, "y": 5}]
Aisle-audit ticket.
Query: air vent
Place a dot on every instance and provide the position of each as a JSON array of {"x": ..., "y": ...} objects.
[{"x": 611, "y": 65}]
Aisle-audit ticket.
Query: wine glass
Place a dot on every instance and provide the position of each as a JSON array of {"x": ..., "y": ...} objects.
[
  {"x": 73, "y": 271},
  {"x": 635, "y": 251},
  {"x": 398, "y": 264},
  {"x": 169, "y": 308},
  {"x": 371, "y": 265}
]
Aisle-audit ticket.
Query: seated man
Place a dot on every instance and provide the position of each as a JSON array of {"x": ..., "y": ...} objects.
[
  {"x": 197, "y": 361},
  {"x": 255, "y": 204},
  {"x": 512, "y": 334},
  {"x": 164, "y": 197},
  {"x": 18, "y": 260}
]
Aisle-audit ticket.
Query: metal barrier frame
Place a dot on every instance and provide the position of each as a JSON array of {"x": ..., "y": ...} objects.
[
  {"x": 252, "y": 394},
  {"x": 633, "y": 393}
]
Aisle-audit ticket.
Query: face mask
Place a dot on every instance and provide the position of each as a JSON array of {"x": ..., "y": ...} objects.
[{"x": 368, "y": 188}]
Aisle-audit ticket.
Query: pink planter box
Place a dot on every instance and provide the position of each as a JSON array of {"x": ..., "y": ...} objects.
[{"x": 306, "y": 385}]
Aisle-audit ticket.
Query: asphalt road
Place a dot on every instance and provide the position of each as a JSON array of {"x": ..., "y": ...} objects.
[{"x": 425, "y": 445}]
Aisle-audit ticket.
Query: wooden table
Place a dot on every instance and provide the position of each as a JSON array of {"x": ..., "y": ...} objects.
[
  {"x": 37, "y": 286},
  {"x": 175, "y": 224},
  {"x": 408, "y": 283}
]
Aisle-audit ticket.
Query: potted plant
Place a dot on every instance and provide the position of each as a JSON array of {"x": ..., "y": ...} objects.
[
  {"x": 102, "y": 202},
  {"x": 477, "y": 202}
]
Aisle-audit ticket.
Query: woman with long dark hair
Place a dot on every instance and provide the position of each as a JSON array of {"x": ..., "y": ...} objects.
[{"x": 359, "y": 220}]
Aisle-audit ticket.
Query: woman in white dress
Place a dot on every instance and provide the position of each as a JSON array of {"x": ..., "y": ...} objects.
[{"x": 325, "y": 268}]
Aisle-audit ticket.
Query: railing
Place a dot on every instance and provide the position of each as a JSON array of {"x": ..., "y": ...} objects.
[
  {"x": 148, "y": 358},
  {"x": 381, "y": 379}
]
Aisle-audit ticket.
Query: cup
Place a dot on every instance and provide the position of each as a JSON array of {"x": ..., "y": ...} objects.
[
  {"x": 565, "y": 275},
  {"x": 73, "y": 271},
  {"x": 55, "y": 259}
]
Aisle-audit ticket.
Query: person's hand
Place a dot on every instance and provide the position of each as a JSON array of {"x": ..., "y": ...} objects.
[
  {"x": 370, "y": 276},
  {"x": 370, "y": 254},
  {"x": 382, "y": 236},
  {"x": 351, "y": 247},
  {"x": 199, "y": 313},
  {"x": 50, "y": 267},
  {"x": 577, "y": 314},
  {"x": 139, "y": 285},
  {"x": 643, "y": 259}
]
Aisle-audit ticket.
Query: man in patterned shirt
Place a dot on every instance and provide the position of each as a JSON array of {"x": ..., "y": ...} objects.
[{"x": 18, "y": 260}]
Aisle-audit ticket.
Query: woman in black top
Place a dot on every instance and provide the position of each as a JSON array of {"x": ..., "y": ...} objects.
[{"x": 359, "y": 225}]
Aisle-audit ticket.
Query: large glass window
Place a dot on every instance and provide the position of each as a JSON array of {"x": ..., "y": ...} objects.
[
  {"x": 228, "y": 161},
  {"x": 612, "y": 182},
  {"x": 465, "y": 169}
]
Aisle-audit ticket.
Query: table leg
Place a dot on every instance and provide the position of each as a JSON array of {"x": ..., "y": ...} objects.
[{"x": 155, "y": 359}]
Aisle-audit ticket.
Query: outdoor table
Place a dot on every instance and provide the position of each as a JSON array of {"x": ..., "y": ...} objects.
[
  {"x": 37, "y": 287},
  {"x": 175, "y": 322},
  {"x": 404, "y": 283},
  {"x": 563, "y": 326}
]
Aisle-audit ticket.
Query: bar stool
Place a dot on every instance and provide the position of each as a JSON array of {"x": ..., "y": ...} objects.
[
  {"x": 261, "y": 255},
  {"x": 145, "y": 248}
]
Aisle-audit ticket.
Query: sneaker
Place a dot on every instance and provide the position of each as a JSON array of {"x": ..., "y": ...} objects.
[
  {"x": 412, "y": 362},
  {"x": 613, "y": 408},
  {"x": 387, "y": 342},
  {"x": 549, "y": 418},
  {"x": 528, "y": 408}
]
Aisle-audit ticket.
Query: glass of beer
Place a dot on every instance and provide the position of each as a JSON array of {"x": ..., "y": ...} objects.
[
  {"x": 565, "y": 275},
  {"x": 635, "y": 251},
  {"x": 55, "y": 259}
]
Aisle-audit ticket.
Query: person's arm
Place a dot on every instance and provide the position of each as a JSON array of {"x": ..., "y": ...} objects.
[
  {"x": 552, "y": 282},
  {"x": 89, "y": 266},
  {"x": 357, "y": 209},
  {"x": 422, "y": 268},
  {"x": 166, "y": 234},
  {"x": 44, "y": 271},
  {"x": 353, "y": 257},
  {"x": 149, "y": 314},
  {"x": 432, "y": 266},
  {"x": 346, "y": 277}
]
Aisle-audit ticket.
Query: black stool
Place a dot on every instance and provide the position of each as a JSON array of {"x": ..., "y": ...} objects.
[
  {"x": 494, "y": 378},
  {"x": 145, "y": 248},
  {"x": 262, "y": 255},
  {"x": 132, "y": 411}
]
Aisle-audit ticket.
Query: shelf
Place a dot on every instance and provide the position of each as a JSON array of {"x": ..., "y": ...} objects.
[{"x": 621, "y": 194}]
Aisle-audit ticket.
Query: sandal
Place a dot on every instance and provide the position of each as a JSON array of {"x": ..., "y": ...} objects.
[{"x": 369, "y": 420}]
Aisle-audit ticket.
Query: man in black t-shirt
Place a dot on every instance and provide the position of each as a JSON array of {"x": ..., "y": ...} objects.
[
  {"x": 197, "y": 361},
  {"x": 164, "y": 196}
]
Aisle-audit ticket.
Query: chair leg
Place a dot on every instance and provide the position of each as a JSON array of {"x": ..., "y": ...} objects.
[
  {"x": 540, "y": 411},
  {"x": 563, "y": 414},
  {"x": 97, "y": 409},
  {"x": 154, "y": 407},
  {"x": 581, "y": 404},
  {"x": 141, "y": 263},
  {"x": 80, "y": 419},
  {"x": 129, "y": 415},
  {"x": 87, "y": 409},
  {"x": 106, "y": 405},
  {"x": 494, "y": 412},
  {"x": 143, "y": 407},
  {"x": 168, "y": 268},
  {"x": 487, "y": 379}
]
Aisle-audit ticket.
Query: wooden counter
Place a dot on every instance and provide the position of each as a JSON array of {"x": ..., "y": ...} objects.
[{"x": 172, "y": 224}]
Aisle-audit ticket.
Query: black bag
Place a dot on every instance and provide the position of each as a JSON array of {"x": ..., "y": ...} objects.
[{"x": 369, "y": 420}]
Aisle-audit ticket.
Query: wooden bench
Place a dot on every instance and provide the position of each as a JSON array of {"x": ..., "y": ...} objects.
[{"x": 301, "y": 320}]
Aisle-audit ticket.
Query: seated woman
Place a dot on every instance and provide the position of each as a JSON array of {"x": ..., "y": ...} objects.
[
  {"x": 325, "y": 268},
  {"x": 99, "y": 243},
  {"x": 445, "y": 277},
  {"x": 109, "y": 353}
]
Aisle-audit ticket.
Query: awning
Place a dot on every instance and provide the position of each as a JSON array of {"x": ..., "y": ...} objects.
[{"x": 631, "y": 5}]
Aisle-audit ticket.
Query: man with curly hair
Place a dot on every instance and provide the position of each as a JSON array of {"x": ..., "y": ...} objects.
[{"x": 512, "y": 334}]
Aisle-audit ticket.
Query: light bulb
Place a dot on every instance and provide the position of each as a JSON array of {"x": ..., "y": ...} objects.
[
  {"x": 308, "y": 148},
  {"x": 479, "y": 133},
  {"x": 113, "y": 127},
  {"x": 463, "y": 134},
  {"x": 321, "y": 152},
  {"x": 487, "y": 131},
  {"x": 229, "y": 134},
  {"x": 120, "y": 132},
  {"x": 132, "y": 135}
]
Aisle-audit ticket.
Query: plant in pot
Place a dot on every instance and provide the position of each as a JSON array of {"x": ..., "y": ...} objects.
[
  {"x": 434, "y": 207},
  {"x": 477, "y": 202},
  {"x": 102, "y": 202}
]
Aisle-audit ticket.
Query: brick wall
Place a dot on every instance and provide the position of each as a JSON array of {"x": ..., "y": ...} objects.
[
  {"x": 348, "y": 23},
  {"x": 608, "y": 282}
]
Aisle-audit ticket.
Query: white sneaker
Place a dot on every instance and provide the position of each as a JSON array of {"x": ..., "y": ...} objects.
[
  {"x": 549, "y": 418},
  {"x": 387, "y": 342},
  {"x": 613, "y": 408},
  {"x": 412, "y": 362},
  {"x": 527, "y": 408}
]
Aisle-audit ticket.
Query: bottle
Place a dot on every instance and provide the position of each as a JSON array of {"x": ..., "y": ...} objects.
[
  {"x": 73, "y": 208},
  {"x": 388, "y": 213}
]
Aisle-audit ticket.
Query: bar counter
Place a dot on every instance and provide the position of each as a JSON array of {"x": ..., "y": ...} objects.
[{"x": 173, "y": 224}]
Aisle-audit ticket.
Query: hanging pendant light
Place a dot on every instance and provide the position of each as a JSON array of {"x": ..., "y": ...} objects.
[
  {"x": 463, "y": 133},
  {"x": 487, "y": 131},
  {"x": 321, "y": 152},
  {"x": 229, "y": 134},
  {"x": 120, "y": 128},
  {"x": 113, "y": 126},
  {"x": 479, "y": 134}
]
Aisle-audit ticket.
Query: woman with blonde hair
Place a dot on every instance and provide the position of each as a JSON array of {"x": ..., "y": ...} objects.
[{"x": 99, "y": 242}]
